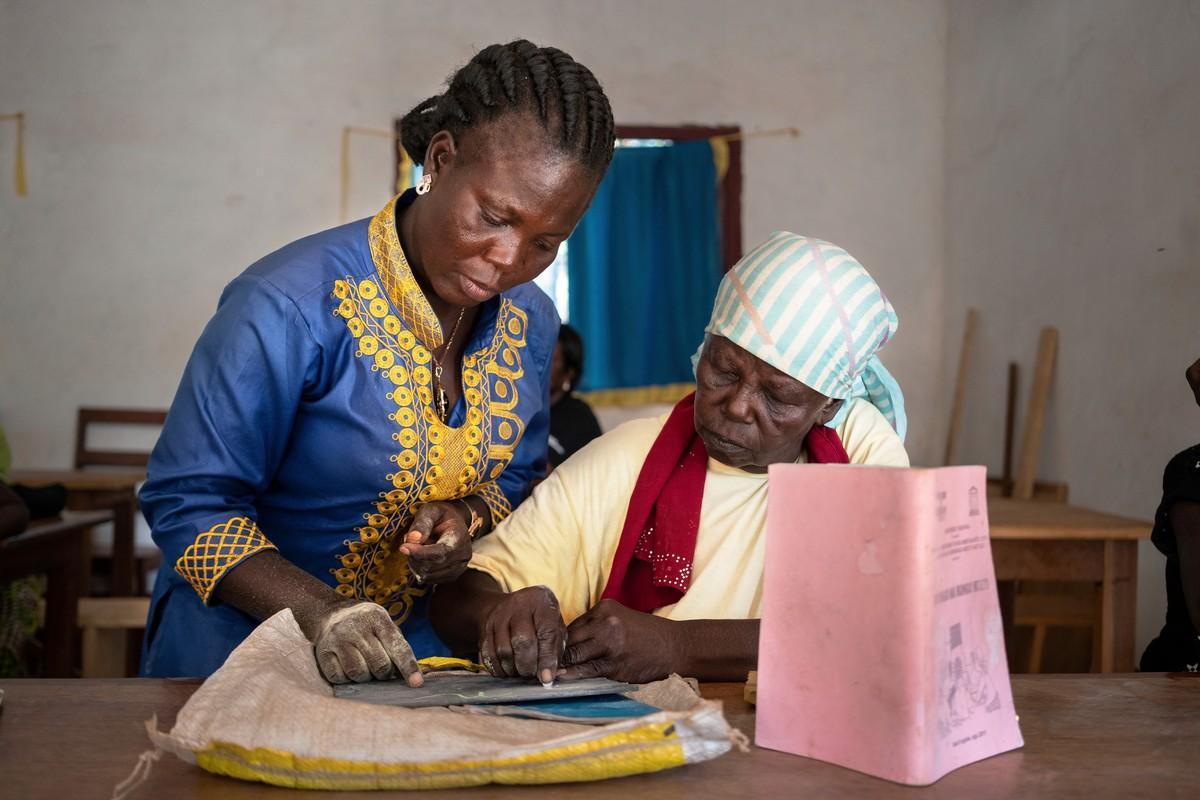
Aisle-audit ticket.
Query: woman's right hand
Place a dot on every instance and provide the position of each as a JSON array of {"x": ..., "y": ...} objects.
[
  {"x": 524, "y": 635},
  {"x": 352, "y": 640},
  {"x": 359, "y": 641}
]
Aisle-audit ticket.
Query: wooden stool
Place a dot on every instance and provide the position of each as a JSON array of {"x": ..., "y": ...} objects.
[{"x": 106, "y": 622}]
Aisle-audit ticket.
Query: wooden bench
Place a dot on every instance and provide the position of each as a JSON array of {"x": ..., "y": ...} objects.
[{"x": 60, "y": 549}]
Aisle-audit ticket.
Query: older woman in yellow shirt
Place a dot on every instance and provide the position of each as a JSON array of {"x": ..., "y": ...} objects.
[{"x": 643, "y": 554}]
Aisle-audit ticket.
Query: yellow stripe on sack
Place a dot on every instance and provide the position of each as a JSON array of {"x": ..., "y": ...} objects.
[
  {"x": 649, "y": 748},
  {"x": 439, "y": 663}
]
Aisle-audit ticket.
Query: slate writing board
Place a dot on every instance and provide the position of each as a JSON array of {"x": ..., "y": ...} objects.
[{"x": 459, "y": 688}]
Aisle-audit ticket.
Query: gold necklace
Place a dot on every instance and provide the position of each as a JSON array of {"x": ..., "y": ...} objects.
[{"x": 442, "y": 400}]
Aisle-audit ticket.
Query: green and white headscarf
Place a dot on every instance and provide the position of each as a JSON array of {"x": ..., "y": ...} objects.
[{"x": 809, "y": 309}]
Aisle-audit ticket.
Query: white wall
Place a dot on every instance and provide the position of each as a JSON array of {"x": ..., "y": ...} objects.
[
  {"x": 1073, "y": 199},
  {"x": 170, "y": 144}
]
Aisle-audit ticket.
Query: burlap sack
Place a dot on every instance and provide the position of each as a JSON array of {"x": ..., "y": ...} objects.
[{"x": 268, "y": 715}]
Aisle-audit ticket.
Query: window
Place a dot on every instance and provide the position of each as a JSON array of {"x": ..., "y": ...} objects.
[{"x": 556, "y": 282}]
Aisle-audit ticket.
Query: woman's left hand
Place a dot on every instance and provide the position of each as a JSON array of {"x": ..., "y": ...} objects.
[
  {"x": 438, "y": 543},
  {"x": 614, "y": 641}
]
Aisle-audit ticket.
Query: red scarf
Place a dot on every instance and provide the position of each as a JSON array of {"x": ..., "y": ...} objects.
[{"x": 652, "y": 567}]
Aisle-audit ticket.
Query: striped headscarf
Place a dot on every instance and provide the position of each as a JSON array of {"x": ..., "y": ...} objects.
[{"x": 809, "y": 309}]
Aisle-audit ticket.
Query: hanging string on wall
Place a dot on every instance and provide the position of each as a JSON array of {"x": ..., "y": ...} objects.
[
  {"x": 19, "y": 157},
  {"x": 403, "y": 174}
]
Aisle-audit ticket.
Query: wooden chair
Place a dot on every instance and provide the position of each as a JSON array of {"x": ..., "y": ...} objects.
[
  {"x": 1035, "y": 415},
  {"x": 1045, "y": 605},
  {"x": 145, "y": 558},
  {"x": 1042, "y": 606},
  {"x": 958, "y": 405},
  {"x": 107, "y": 623},
  {"x": 88, "y": 417},
  {"x": 1004, "y": 486}
]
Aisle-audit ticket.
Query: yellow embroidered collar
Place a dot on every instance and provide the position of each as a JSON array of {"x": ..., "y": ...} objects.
[{"x": 397, "y": 278}]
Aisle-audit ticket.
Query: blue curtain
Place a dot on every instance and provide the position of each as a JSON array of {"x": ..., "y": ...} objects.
[{"x": 644, "y": 264}]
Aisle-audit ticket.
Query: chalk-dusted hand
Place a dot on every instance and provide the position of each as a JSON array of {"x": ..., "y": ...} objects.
[
  {"x": 614, "y": 641},
  {"x": 438, "y": 543},
  {"x": 358, "y": 642},
  {"x": 1193, "y": 379},
  {"x": 524, "y": 635}
]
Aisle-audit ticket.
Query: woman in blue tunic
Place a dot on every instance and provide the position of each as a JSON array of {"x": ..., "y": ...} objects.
[{"x": 369, "y": 399}]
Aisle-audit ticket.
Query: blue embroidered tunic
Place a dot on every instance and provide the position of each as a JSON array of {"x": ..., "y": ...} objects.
[{"x": 305, "y": 423}]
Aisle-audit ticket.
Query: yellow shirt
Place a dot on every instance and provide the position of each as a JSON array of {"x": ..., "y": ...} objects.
[{"x": 565, "y": 535}]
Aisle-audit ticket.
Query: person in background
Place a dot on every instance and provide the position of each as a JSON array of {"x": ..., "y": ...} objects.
[
  {"x": 643, "y": 554},
  {"x": 1177, "y": 536},
  {"x": 368, "y": 400},
  {"x": 37, "y": 501},
  {"x": 14, "y": 514},
  {"x": 572, "y": 421},
  {"x": 20, "y": 598}
]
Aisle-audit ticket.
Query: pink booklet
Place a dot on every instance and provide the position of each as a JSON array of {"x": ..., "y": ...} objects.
[{"x": 882, "y": 648}]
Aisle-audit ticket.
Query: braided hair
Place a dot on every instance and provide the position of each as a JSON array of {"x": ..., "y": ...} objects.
[{"x": 519, "y": 76}]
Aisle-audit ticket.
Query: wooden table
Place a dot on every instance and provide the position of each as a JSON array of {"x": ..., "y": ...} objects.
[
  {"x": 1087, "y": 736},
  {"x": 58, "y": 548},
  {"x": 115, "y": 490},
  {"x": 1040, "y": 541}
]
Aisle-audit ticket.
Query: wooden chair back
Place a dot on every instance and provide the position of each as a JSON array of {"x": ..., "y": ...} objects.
[
  {"x": 958, "y": 405},
  {"x": 87, "y": 457},
  {"x": 107, "y": 624},
  {"x": 1035, "y": 414}
]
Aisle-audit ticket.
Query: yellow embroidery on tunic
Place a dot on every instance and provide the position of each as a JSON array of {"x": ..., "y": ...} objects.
[
  {"x": 497, "y": 503},
  {"x": 398, "y": 280},
  {"x": 217, "y": 550},
  {"x": 433, "y": 461}
]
